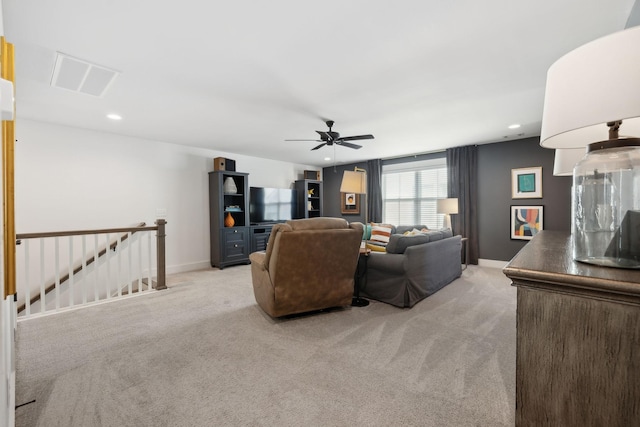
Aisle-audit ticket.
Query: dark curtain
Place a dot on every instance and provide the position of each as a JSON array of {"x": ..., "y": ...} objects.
[
  {"x": 374, "y": 190},
  {"x": 462, "y": 172}
]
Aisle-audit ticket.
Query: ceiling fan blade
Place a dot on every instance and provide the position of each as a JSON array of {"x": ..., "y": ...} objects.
[
  {"x": 357, "y": 137},
  {"x": 348, "y": 144},
  {"x": 319, "y": 146}
]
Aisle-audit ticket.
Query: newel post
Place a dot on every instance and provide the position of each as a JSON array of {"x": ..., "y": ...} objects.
[{"x": 160, "y": 280}]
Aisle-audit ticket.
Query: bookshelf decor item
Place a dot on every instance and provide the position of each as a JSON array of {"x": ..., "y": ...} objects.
[
  {"x": 230, "y": 186},
  {"x": 228, "y": 220}
]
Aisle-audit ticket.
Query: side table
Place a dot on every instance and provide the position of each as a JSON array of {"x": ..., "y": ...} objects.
[
  {"x": 361, "y": 275},
  {"x": 465, "y": 249}
]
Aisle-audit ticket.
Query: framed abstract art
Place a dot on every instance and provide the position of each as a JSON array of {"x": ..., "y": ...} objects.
[
  {"x": 526, "y": 221},
  {"x": 526, "y": 183}
]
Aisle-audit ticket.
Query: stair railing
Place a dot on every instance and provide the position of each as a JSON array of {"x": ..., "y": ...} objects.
[{"x": 113, "y": 269}]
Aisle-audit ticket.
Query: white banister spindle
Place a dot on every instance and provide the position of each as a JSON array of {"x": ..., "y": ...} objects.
[
  {"x": 96, "y": 269},
  {"x": 42, "y": 288},
  {"x": 71, "y": 286},
  {"x": 150, "y": 283},
  {"x": 57, "y": 270},
  {"x": 27, "y": 292},
  {"x": 119, "y": 262},
  {"x": 108, "y": 267},
  {"x": 129, "y": 250},
  {"x": 139, "y": 239},
  {"x": 83, "y": 272}
]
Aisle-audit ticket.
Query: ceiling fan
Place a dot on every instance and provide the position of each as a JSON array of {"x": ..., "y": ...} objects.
[{"x": 331, "y": 137}]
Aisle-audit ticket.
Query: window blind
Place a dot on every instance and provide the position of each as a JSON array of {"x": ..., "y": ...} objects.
[{"x": 409, "y": 193}]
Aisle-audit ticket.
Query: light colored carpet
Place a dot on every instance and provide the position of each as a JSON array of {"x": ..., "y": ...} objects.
[{"x": 202, "y": 353}]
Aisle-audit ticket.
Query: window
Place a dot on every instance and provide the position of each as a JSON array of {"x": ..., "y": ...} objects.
[{"x": 410, "y": 191}]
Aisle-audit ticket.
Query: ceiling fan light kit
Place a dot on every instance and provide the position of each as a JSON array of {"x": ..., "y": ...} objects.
[{"x": 330, "y": 138}]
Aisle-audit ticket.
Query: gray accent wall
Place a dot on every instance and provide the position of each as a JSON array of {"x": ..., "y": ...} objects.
[{"x": 495, "y": 162}]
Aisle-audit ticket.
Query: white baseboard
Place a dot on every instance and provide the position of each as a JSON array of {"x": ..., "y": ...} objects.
[
  {"x": 183, "y": 268},
  {"x": 492, "y": 263}
]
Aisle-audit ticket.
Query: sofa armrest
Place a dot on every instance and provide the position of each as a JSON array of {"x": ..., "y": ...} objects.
[{"x": 258, "y": 259}]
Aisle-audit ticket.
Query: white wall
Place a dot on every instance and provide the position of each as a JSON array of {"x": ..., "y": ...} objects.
[{"x": 69, "y": 179}]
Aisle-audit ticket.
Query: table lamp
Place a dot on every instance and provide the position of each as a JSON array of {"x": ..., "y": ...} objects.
[
  {"x": 566, "y": 159},
  {"x": 447, "y": 207},
  {"x": 592, "y": 100}
]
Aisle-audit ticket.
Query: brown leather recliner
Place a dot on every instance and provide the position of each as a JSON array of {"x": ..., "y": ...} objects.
[{"x": 309, "y": 265}]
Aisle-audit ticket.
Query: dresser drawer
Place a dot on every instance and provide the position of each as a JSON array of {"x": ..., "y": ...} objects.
[{"x": 235, "y": 243}]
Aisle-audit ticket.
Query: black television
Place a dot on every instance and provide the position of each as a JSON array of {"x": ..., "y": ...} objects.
[{"x": 271, "y": 205}]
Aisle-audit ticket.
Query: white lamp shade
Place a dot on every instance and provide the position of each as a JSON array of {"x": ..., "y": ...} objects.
[
  {"x": 596, "y": 83},
  {"x": 354, "y": 182},
  {"x": 565, "y": 159},
  {"x": 447, "y": 206}
]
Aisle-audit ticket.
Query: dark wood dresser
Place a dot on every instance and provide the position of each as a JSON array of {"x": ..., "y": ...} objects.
[{"x": 578, "y": 338}]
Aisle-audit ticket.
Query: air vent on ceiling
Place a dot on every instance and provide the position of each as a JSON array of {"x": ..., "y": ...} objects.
[{"x": 81, "y": 76}]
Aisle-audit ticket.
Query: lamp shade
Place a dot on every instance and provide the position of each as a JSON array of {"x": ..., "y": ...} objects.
[
  {"x": 447, "y": 206},
  {"x": 594, "y": 84},
  {"x": 565, "y": 159},
  {"x": 354, "y": 182}
]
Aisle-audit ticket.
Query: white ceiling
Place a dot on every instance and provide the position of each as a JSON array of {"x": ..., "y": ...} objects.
[{"x": 243, "y": 76}]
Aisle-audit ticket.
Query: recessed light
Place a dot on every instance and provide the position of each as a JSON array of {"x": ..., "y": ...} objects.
[
  {"x": 514, "y": 126},
  {"x": 327, "y": 158},
  {"x": 114, "y": 116}
]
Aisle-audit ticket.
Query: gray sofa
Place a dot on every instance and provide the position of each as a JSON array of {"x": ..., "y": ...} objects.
[{"x": 413, "y": 267}]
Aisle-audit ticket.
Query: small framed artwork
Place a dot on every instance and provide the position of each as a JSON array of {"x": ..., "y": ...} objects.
[
  {"x": 526, "y": 183},
  {"x": 526, "y": 221},
  {"x": 350, "y": 204}
]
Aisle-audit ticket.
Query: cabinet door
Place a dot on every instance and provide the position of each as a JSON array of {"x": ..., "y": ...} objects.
[{"x": 235, "y": 244}]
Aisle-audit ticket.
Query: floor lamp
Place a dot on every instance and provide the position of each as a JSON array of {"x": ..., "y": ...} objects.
[
  {"x": 447, "y": 207},
  {"x": 356, "y": 182}
]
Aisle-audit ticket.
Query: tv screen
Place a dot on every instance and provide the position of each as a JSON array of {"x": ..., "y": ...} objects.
[{"x": 271, "y": 205}]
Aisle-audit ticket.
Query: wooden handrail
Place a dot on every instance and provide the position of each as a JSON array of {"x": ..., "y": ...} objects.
[{"x": 140, "y": 227}]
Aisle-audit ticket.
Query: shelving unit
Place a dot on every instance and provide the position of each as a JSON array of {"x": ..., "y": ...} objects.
[
  {"x": 309, "y": 198},
  {"x": 229, "y": 244}
]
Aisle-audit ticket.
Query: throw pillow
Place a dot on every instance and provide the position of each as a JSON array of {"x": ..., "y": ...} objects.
[
  {"x": 380, "y": 232},
  {"x": 376, "y": 246}
]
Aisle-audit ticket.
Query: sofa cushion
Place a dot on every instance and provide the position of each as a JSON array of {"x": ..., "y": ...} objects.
[
  {"x": 439, "y": 234},
  {"x": 399, "y": 242},
  {"x": 381, "y": 232}
]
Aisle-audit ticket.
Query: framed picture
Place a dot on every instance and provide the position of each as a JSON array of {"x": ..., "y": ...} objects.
[
  {"x": 350, "y": 204},
  {"x": 526, "y": 221},
  {"x": 526, "y": 183}
]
